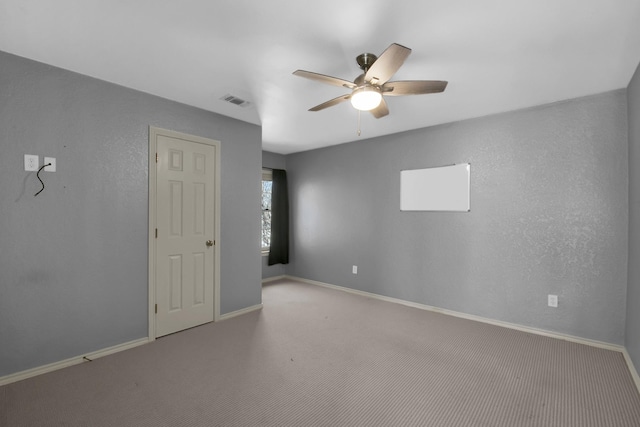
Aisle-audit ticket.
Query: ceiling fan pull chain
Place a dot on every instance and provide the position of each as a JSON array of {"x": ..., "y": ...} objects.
[{"x": 358, "y": 122}]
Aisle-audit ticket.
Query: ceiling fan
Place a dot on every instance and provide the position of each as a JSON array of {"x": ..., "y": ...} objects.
[{"x": 368, "y": 89}]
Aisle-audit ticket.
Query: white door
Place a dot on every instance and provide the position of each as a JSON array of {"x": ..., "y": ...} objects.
[{"x": 185, "y": 250}]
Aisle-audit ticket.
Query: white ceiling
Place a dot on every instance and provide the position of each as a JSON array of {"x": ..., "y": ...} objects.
[{"x": 497, "y": 55}]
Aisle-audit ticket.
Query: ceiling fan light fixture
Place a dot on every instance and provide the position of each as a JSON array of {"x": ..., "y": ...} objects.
[{"x": 366, "y": 98}]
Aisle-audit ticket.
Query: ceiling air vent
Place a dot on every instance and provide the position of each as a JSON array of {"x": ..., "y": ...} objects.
[{"x": 235, "y": 100}]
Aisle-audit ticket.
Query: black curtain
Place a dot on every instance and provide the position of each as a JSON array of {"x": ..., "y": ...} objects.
[{"x": 279, "y": 251}]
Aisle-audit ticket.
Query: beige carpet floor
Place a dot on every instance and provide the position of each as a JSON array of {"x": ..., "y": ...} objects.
[{"x": 320, "y": 357}]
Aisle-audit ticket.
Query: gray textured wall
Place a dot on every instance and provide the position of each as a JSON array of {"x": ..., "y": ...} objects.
[
  {"x": 272, "y": 161},
  {"x": 549, "y": 215},
  {"x": 73, "y": 264},
  {"x": 632, "y": 330}
]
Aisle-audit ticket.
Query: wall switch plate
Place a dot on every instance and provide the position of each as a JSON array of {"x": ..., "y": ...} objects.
[
  {"x": 31, "y": 162},
  {"x": 354, "y": 269},
  {"x": 51, "y": 160},
  {"x": 552, "y": 300}
]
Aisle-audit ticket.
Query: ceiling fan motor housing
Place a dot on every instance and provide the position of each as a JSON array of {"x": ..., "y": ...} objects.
[{"x": 367, "y": 95}]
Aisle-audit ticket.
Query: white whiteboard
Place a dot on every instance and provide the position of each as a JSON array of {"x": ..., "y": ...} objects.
[{"x": 444, "y": 188}]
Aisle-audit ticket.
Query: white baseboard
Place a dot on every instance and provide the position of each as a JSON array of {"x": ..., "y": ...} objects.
[
  {"x": 571, "y": 338},
  {"x": 273, "y": 279},
  {"x": 23, "y": 375},
  {"x": 240, "y": 312},
  {"x": 632, "y": 368}
]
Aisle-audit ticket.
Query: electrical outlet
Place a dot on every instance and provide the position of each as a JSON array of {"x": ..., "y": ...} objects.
[
  {"x": 552, "y": 300},
  {"x": 51, "y": 160},
  {"x": 31, "y": 162},
  {"x": 354, "y": 269}
]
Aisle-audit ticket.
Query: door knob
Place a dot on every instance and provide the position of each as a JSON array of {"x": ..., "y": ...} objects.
[{"x": 209, "y": 243}]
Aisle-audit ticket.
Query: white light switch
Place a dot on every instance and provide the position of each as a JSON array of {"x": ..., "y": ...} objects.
[{"x": 354, "y": 269}]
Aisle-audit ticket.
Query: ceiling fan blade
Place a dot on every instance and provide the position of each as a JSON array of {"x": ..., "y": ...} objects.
[
  {"x": 324, "y": 79},
  {"x": 331, "y": 102},
  {"x": 381, "y": 110},
  {"x": 413, "y": 87},
  {"x": 387, "y": 64}
]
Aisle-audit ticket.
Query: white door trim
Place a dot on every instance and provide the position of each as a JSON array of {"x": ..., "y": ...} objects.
[{"x": 153, "y": 133}]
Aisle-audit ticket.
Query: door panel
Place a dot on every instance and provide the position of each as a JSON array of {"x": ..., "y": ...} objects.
[{"x": 185, "y": 210}]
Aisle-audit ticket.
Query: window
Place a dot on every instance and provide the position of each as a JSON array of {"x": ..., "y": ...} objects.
[{"x": 266, "y": 209}]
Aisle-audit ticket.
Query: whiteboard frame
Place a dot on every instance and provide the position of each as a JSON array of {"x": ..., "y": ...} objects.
[{"x": 436, "y": 189}]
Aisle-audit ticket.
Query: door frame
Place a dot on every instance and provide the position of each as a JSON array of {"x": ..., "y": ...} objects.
[{"x": 154, "y": 132}]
